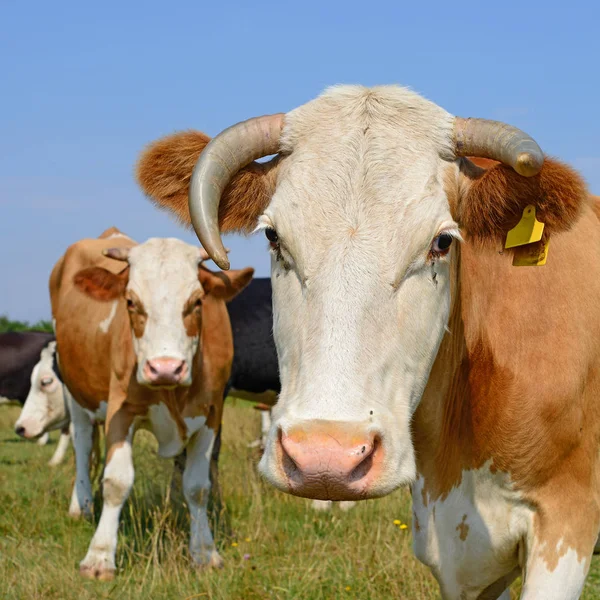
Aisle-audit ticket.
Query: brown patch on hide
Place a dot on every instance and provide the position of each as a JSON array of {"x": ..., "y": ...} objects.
[{"x": 463, "y": 528}]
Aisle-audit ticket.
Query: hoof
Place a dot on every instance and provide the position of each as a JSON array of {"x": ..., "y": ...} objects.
[
  {"x": 321, "y": 505},
  {"x": 97, "y": 573},
  {"x": 81, "y": 514},
  {"x": 212, "y": 561}
]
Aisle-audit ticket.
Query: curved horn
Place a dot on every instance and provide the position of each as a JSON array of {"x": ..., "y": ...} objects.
[
  {"x": 117, "y": 253},
  {"x": 498, "y": 141},
  {"x": 205, "y": 256},
  {"x": 223, "y": 157}
]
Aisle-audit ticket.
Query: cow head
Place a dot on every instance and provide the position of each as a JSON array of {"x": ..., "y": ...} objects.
[
  {"x": 163, "y": 286},
  {"x": 45, "y": 408},
  {"x": 363, "y": 209}
]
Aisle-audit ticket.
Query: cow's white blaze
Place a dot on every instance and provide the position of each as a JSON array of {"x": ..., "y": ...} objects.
[
  {"x": 164, "y": 274},
  {"x": 45, "y": 408},
  {"x": 360, "y": 306}
]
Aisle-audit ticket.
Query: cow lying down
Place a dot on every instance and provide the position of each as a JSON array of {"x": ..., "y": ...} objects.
[{"x": 145, "y": 342}]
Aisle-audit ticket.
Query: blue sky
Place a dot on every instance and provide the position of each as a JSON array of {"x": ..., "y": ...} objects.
[{"x": 86, "y": 85}]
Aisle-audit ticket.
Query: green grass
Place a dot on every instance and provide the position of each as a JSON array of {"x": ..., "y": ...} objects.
[{"x": 293, "y": 551}]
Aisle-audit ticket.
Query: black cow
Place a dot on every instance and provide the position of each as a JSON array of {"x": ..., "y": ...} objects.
[
  {"x": 254, "y": 366},
  {"x": 19, "y": 353}
]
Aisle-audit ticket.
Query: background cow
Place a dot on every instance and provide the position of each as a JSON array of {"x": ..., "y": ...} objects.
[
  {"x": 45, "y": 408},
  {"x": 377, "y": 308},
  {"x": 144, "y": 337},
  {"x": 19, "y": 353}
]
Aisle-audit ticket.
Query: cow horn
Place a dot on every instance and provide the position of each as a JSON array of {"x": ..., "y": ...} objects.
[
  {"x": 227, "y": 153},
  {"x": 205, "y": 256},
  {"x": 117, "y": 253},
  {"x": 498, "y": 141}
]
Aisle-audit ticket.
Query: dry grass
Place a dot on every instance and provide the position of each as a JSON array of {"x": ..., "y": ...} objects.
[{"x": 276, "y": 546}]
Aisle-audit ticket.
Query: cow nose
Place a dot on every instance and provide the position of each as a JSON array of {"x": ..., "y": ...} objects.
[
  {"x": 333, "y": 462},
  {"x": 165, "y": 371},
  {"x": 20, "y": 430}
]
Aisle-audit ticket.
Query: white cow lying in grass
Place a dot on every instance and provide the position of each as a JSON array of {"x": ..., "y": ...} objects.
[{"x": 45, "y": 408}]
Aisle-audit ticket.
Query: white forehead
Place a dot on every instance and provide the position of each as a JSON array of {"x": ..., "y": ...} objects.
[
  {"x": 366, "y": 158},
  {"x": 164, "y": 265}
]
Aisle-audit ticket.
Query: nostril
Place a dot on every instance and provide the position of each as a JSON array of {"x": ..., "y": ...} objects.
[
  {"x": 152, "y": 369},
  {"x": 179, "y": 369},
  {"x": 20, "y": 430}
]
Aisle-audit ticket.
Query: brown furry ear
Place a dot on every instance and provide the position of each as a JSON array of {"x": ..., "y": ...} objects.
[
  {"x": 165, "y": 168},
  {"x": 100, "y": 284},
  {"x": 492, "y": 198},
  {"x": 225, "y": 286}
]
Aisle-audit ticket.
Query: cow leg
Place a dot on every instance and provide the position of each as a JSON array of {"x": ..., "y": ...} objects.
[
  {"x": 555, "y": 580},
  {"x": 265, "y": 425},
  {"x": 196, "y": 487},
  {"x": 83, "y": 432},
  {"x": 62, "y": 446},
  {"x": 43, "y": 439},
  {"x": 99, "y": 562}
]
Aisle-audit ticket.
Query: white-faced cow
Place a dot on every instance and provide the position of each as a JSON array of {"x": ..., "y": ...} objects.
[
  {"x": 45, "y": 408},
  {"x": 144, "y": 337},
  {"x": 405, "y": 355}
]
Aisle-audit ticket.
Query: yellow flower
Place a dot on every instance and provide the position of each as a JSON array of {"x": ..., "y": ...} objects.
[
  {"x": 248, "y": 540},
  {"x": 234, "y": 544},
  {"x": 348, "y": 588},
  {"x": 397, "y": 521},
  {"x": 403, "y": 526}
]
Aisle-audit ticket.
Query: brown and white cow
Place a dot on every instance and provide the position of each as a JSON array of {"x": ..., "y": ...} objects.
[
  {"x": 145, "y": 341},
  {"x": 405, "y": 355}
]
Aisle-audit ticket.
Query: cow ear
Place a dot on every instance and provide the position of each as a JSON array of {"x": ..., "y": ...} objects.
[
  {"x": 492, "y": 198},
  {"x": 225, "y": 286},
  {"x": 100, "y": 284},
  {"x": 164, "y": 170}
]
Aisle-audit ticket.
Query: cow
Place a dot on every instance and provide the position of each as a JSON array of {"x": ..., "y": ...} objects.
[
  {"x": 411, "y": 349},
  {"x": 45, "y": 408},
  {"x": 19, "y": 353},
  {"x": 144, "y": 341}
]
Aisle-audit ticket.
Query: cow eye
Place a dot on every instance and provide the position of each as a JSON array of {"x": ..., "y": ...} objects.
[
  {"x": 46, "y": 381},
  {"x": 198, "y": 303},
  {"x": 130, "y": 303},
  {"x": 272, "y": 236},
  {"x": 441, "y": 244}
]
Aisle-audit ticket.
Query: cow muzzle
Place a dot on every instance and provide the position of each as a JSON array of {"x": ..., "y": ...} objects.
[
  {"x": 328, "y": 460},
  {"x": 165, "y": 372}
]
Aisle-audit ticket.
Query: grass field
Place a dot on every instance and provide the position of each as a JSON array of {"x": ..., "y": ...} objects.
[{"x": 276, "y": 546}]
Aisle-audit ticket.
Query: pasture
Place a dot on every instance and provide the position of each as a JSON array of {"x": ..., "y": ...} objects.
[{"x": 275, "y": 546}]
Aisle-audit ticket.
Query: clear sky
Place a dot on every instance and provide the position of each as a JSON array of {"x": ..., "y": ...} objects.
[{"x": 85, "y": 85}]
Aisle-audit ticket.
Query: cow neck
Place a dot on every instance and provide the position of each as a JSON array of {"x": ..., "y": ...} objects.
[{"x": 442, "y": 424}]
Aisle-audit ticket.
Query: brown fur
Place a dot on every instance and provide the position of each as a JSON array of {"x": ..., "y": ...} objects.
[
  {"x": 165, "y": 168},
  {"x": 491, "y": 200},
  {"x": 517, "y": 382},
  {"x": 100, "y": 284}
]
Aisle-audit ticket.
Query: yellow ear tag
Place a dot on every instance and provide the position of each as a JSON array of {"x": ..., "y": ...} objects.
[
  {"x": 534, "y": 255},
  {"x": 527, "y": 230}
]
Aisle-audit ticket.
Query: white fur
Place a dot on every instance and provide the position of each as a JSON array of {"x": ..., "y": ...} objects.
[
  {"x": 358, "y": 317},
  {"x": 164, "y": 274},
  {"x": 497, "y": 517},
  {"x": 63, "y": 445},
  {"x": 105, "y": 324},
  {"x": 117, "y": 483},
  {"x": 196, "y": 488},
  {"x": 45, "y": 408},
  {"x": 565, "y": 582}
]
